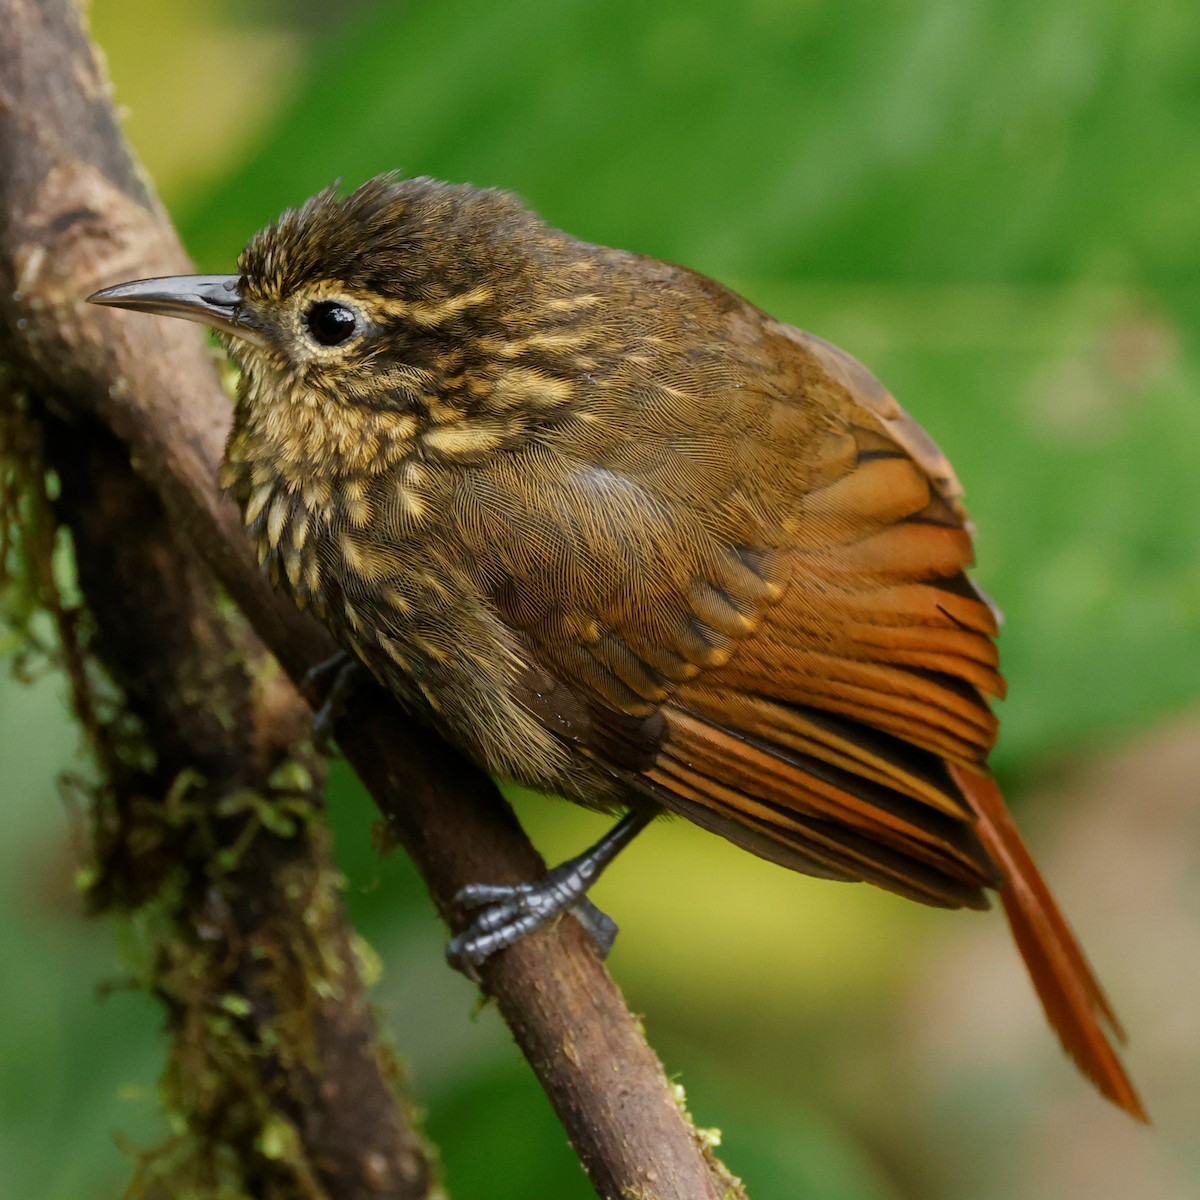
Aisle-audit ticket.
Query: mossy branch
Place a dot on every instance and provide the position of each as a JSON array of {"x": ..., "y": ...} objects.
[{"x": 206, "y": 840}]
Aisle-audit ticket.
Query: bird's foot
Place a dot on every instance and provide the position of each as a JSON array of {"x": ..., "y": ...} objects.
[
  {"x": 505, "y": 913},
  {"x": 330, "y": 682}
]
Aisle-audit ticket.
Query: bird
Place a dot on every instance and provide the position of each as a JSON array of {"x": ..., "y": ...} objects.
[{"x": 621, "y": 536}]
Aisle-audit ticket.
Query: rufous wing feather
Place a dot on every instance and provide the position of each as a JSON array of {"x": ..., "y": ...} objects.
[{"x": 826, "y": 729}]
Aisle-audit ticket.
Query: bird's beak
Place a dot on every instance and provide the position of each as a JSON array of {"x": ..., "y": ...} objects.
[{"x": 214, "y": 300}]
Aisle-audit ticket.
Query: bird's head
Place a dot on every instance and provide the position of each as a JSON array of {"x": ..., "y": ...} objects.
[{"x": 378, "y": 318}]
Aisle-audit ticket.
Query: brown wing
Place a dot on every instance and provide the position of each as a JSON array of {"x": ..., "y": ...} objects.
[
  {"x": 823, "y": 702},
  {"x": 826, "y": 732}
]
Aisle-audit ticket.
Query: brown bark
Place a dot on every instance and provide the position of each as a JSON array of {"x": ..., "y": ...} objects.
[{"x": 75, "y": 216}]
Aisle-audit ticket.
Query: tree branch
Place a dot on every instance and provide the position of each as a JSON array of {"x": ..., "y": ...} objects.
[{"x": 75, "y": 216}]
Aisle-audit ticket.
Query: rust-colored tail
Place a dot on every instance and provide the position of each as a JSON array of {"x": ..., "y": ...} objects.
[{"x": 1074, "y": 1002}]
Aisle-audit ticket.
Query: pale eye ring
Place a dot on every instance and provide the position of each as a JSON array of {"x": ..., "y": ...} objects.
[{"x": 331, "y": 323}]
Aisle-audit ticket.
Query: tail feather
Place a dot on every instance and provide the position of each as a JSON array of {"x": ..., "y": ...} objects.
[{"x": 1073, "y": 1000}]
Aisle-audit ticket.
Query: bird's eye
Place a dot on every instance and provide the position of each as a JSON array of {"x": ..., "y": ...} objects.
[{"x": 331, "y": 323}]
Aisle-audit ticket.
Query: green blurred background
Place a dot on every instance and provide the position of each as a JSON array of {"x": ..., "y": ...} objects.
[{"x": 994, "y": 204}]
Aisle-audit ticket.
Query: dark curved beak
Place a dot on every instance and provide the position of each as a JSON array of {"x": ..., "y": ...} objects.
[{"x": 214, "y": 300}]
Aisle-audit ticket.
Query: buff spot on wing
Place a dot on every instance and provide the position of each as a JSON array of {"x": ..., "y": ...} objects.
[
  {"x": 430, "y": 649},
  {"x": 466, "y": 437},
  {"x": 293, "y": 565},
  {"x": 412, "y": 502},
  {"x": 392, "y": 649},
  {"x": 573, "y": 303},
  {"x": 396, "y": 599},
  {"x": 317, "y": 494},
  {"x": 312, "y": 580},
  {"x": 258, "y": 501},
  {"x": 356, "y": 503},
  {"x": 431, "y": 584},
  {"x": 277, "y": 517},
  {"x": 521, "y": 385},
  {"x": 556, "y": 341},
  {"x": 368, "y": 561},
  {"x": 351, "y": 615},
  {"x": 300, "y": 530}
]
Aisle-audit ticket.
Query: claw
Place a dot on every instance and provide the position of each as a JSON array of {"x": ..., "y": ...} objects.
[
  {"x": 499, "y": 926},
  {"x": 505, "y": 913},
  {"x": 600, "y": 926},
  {"x": 316, "y": 679},
  {"x": 476, "y": 895},
  {"x": 335, "y": 677}
]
